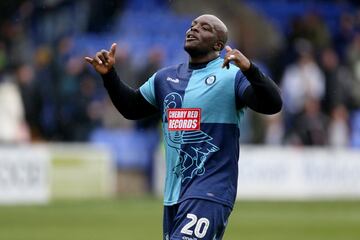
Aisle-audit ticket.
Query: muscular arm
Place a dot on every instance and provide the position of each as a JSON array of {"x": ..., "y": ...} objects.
[
  {"x": 129, "y": 102},
  {"x": 262, "y": 95}
]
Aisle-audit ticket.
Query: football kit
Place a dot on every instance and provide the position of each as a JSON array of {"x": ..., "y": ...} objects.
[{"x": 201, "y": 108}]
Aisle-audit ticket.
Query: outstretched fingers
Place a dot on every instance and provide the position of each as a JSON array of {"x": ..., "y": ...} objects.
[
  {"x": 105, "y": 56},
  {"x": 99, "y": 58},
  {"x": 228, "y": 49},
  {"x": 228, "y": 57},
  {"x": 226, "y": 63},
  {"x": 89, "y": 60},
  {"x": 112, "y": 50}
]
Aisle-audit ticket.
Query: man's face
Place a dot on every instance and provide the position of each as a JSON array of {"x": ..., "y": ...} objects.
[{"x": 201, "y": 37}]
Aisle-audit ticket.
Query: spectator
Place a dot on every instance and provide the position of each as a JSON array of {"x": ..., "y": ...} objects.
[
  {"x": 274, "y": 134},
  {"x": 353, "y": 57},
  {"x": 25, "y": 75},
  {"x": 124, "y": 66},
  {"x": 339, "y": 134},
  {"x": 3, "y": 60},
  {"x": 316, "y": 31},
  {"x": 46, "y": 96},
  {"x": 13, "y": 126},
  {"x": 154, "y": 62},
  {"x": 345, "y": 34},
  {"x": 303, "y": 79},
  {"x": 88, "y": 107},
  {"x": 338, "y": 82},
  {"x": 310, "y": 127}
]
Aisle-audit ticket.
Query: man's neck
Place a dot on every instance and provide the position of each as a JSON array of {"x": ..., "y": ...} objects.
[{"x": 203, "y": 58}]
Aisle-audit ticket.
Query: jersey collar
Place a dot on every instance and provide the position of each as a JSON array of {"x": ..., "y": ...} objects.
[{"x": 196, "y": 66}]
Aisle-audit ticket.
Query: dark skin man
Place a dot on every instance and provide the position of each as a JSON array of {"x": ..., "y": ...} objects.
[{"x": 201, "y": 102}]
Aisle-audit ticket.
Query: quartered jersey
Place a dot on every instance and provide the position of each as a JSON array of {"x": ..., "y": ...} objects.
[{"x": 201, "y": 110}]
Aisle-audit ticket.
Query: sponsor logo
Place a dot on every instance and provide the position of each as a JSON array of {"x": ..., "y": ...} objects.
[
  {"x": 174, "y": 80},
  {"x": 210, "y": 80},
  {"x": 185, "y": 119}
]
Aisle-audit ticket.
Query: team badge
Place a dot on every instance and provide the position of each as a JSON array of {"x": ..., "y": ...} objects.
[{"x": 210, "y": 80}]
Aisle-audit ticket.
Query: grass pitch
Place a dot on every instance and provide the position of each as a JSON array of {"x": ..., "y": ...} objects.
[{"x": 141, "y": 219}]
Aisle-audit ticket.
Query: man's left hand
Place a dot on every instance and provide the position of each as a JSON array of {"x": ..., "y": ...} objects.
[{"x": 237, "y": 57}]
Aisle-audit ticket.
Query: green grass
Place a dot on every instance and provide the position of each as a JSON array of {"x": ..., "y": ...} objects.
[{"x": 141, "y": 219}]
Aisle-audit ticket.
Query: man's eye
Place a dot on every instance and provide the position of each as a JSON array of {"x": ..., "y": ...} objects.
[{"x": 206, "y": 28}]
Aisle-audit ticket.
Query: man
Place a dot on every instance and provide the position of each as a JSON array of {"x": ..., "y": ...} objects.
[{"x": 201, "y": 103}]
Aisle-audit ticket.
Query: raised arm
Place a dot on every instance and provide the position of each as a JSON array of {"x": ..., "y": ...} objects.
[
  {"x": 129, "y": 102},
  {"x": 261, "y": 94}
]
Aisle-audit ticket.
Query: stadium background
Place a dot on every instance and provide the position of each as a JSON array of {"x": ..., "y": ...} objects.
[{"x": 72, "y": 168}]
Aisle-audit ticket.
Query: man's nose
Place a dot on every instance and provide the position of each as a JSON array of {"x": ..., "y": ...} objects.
[{"x": 195, "y": 28}]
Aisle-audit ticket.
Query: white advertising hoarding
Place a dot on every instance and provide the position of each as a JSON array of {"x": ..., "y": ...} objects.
[
  {"x": 290, "y": 173},
  {"x": 298, "y": 173},
  {"x": 42, "y": 172},
  {"x": 24, "y": 175},
  {"x": 81, "y": 171}
]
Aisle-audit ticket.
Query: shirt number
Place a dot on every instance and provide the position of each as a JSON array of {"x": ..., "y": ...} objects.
[{"x": 201, "y": 226}]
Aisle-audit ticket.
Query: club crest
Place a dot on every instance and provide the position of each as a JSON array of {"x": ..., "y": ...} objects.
[{"x": 210, "y": 80}]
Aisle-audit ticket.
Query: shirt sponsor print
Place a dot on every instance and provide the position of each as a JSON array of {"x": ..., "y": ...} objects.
[{"x": 184, "y": 119}]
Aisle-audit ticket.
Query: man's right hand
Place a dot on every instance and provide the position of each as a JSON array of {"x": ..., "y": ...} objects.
[{"x": 103, "y": 60}]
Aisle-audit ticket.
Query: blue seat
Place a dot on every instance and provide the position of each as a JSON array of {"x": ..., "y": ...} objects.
[
  {"x": 355, "y": 129},
  {"x": 130, "y": 148}
]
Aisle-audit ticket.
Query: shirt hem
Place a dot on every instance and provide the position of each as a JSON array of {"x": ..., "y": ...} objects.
[{"x": 212, "y": 199}]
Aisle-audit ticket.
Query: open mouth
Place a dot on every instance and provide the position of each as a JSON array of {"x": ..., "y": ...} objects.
[{"x": 191, "y": 37}]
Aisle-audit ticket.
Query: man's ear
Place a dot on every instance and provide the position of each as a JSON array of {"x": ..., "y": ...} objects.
[{"x": 218, "y": 46}]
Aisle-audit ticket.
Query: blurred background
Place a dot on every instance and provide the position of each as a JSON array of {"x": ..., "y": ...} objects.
[{"x": 66, "y": 153}]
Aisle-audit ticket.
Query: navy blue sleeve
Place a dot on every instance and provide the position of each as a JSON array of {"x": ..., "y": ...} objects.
[
  {"x": 129, "y": 102},
  {"x": 257, "y": 91},
  {"x": 241, "y": 84}
]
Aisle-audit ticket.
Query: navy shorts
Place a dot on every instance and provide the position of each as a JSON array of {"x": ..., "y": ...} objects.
[{"x": 195, "y": 219}]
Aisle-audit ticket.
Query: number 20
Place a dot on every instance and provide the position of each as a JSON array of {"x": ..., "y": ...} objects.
[{"x": 201, "y": 223}]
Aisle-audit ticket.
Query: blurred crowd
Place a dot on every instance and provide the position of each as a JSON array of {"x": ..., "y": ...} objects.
[
  {"x": 320, "y": 82},
  {"x": 48, "y": 93}
]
